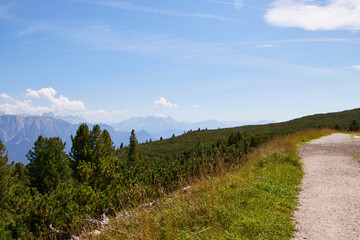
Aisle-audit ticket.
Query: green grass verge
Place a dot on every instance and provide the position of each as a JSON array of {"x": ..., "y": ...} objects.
[{"x": 254, "y": 201}]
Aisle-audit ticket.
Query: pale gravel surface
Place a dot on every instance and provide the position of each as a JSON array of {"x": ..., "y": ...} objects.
[{"x": 329, "y": 203}]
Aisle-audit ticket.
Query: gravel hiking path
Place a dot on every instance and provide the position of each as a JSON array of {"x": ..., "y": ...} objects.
[{"x": 329, "y": 203}]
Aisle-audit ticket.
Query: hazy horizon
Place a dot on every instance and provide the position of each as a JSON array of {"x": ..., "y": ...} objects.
[{"x": 67, "y": 118}]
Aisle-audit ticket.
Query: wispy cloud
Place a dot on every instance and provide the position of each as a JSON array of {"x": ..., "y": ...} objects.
[
  {"x": 311, "y": 40},
  {"x": 279, "y": 66},
  {"x": 195, "y": 106},
  {"x": 335, "y": 15},
  {"x": 107, "y": 38},
  {"x": 356, "y": 67},
  {"x": 132, "y": 7},
  {"x": 4, "y": 10},
  {"x": 5, "y": 96},
  {"x": 162, "y": 102},
  {"x": 221, "y": 2},
  {"x": 35, "y": 27},
  {"x": 234, "y": 4},
  {"x": 266, "y": 46}
]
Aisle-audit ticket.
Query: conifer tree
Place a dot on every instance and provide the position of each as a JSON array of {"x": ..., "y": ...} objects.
[
  {"x": 49, "y": 164},
  {"x": 101, "y": 144},
  {"x": 89, "y": 146},
  {"x": 95, "y": 135},
  {"x": 81, "y": 150},
  {"x": 22, "y": 173},
  {"x": 199, "y": 146},
  {"x": 106, "y": 145},
  {"x": 4, "y": 176},
  {"x": 354, "y": 126},
  {"x": 14, "y": 200},
  {"x": 133, "y": 152},
  {"x": 89, "y": 149}
]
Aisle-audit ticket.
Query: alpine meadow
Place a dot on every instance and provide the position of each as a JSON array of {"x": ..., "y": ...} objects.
[
  {"x": 138, "y": 184},
  {"x": 179, "y": 119}
]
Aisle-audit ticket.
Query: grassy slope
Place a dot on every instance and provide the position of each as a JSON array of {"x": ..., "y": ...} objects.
[
  {"x": 188, "y": 140},
  {"x": 254, "y": 201}
]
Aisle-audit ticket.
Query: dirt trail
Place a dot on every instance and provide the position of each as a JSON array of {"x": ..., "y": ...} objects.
[{"x": 330, "y": 198}]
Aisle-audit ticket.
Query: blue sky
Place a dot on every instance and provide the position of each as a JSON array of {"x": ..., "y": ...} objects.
[{"x": 189, "y": 59}]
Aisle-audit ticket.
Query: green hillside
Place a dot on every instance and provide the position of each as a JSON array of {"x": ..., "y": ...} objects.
[
  {"x": 255, "y": 200},
  {"x": 62, "y": 191},
  {"x": 188, "y": 140}
]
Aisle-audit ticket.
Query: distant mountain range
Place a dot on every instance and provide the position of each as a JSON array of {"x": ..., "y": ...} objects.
[
  {"x": 165, "y": 127},
  {"x": 19, "y": 132}
]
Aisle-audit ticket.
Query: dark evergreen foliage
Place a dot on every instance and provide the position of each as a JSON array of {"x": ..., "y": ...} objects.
[
  {"x": 133, "y": 155},
  {"x": 15, "y": 200},
  {"x": 49, "y": 164},
  {"x": 354, "y": 126},
  {"x": 81, "y": 149},
  {"x": 22, "y": 173},
  {"x": 90, "y": 146}
]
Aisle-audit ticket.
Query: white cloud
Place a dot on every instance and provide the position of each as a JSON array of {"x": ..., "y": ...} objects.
[
  {"x": 58, "y": 104},
  {"x": 5, "y": 96},
  {"x": 47, "y": 93},
  {"x": 162, "y": 101},
  {"x": 307, "y": 14},
  {"x": 47, "y": 101},
  {"x": 195, "y": 106},
  {"x": 64, "y": 104},
  {"x": 21, "y": 107},
  {"x": 356, "y": 67}
]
